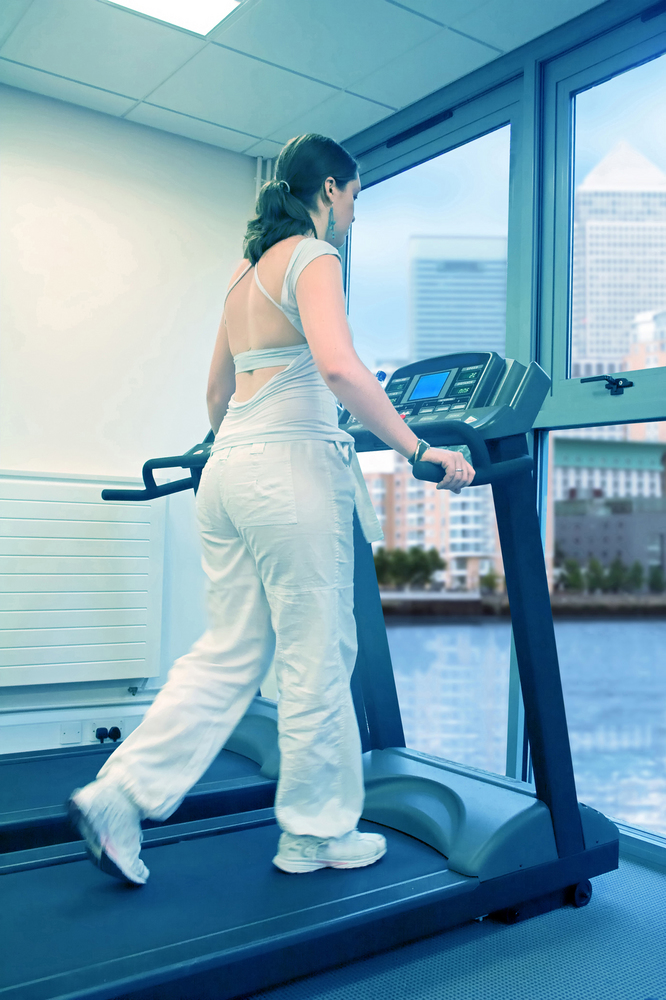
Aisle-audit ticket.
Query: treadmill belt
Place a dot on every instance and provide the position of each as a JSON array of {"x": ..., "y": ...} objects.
[
  {"x": 68, "y": 928},
  {"x": 34, "y": 793},
  {"x": 49, "y": 781}
]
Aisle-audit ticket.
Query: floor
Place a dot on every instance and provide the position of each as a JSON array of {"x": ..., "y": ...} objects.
[{"x": 613, "y": 949}]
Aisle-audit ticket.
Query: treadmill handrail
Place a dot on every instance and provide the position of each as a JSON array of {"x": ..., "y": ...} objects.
[
  {"x": 460, "y": 432},
  {"x": 195, "y": 459}
]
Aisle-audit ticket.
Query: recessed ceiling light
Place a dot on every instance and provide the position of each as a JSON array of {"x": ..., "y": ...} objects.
[{"x": 200, "y": 16}]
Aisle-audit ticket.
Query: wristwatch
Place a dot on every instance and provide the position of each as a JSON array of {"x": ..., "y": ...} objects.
[{"x": 421, "y": 447}]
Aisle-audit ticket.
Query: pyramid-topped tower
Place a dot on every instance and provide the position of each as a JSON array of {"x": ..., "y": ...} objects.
[
  {"x": 619, "y": 256},
  {"x": 624, "y": 169}
]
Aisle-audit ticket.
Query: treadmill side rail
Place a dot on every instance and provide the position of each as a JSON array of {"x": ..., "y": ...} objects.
[{"x": 486, "y": 830}]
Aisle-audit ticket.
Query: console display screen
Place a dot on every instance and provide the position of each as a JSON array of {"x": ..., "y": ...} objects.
[{"x": 429, "y": 386}]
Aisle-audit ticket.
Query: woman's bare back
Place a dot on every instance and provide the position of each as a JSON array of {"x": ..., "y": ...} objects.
[{"x": 253, "y": 322}]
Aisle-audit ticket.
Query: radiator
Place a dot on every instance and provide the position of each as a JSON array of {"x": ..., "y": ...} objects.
[{"x": 80, "y": 582}]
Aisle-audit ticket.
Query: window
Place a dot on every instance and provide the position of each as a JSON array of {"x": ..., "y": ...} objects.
[{"x": 618, "y": 298}]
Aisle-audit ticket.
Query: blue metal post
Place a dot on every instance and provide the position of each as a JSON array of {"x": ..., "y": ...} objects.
[
  {"x": 534, "y": 636},
  {"x": 373, "y": 683}
]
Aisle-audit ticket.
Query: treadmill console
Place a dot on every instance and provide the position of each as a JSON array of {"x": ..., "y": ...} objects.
[{"x": 498, "y": 397}]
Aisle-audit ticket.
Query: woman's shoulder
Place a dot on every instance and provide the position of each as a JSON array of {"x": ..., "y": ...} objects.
[
  {"x": 310, "y": 247},
  {"x": 241, "y": 267},
  {"x": 304, "y": 244}
]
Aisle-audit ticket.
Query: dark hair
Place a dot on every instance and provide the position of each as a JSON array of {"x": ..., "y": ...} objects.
[{"x": 284, "y": 209}]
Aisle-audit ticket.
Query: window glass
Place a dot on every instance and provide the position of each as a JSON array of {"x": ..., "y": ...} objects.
[
  {"x": 452, "y": 680},
  {"x": 428, "y": 257},
  {"x": 608, "y": 518},
  {"x": 618, "y": 307},
  {"x": 606, "y": 484},
  {"x": 428, "y": 277}
]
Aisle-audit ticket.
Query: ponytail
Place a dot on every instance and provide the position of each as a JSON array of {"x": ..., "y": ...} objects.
[{"x": 284, "y": 204}]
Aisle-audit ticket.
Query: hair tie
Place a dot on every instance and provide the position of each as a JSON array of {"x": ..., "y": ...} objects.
[{"x": 284, "y": 184}]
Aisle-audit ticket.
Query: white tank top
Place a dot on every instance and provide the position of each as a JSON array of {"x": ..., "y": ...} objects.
[{"x": 295, "y": 404}]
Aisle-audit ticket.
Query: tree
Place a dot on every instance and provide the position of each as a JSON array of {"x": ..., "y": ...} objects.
[
  {"x": 635, "y": 576},
  {"x": 382, "y": 566},
  {"x": 656, "y": 581},
  {"x": 617, "y": 576},
  {"x": 572, "y": 577},
  {"x": 422, "y": 565},
  {"x": 488, "y": 582},
  {"x": 398, "y": 568},
  {"x": 596, "y": 576}
]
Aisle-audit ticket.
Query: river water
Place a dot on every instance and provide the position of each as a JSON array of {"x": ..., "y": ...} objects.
[{"x": 453, "y": 682}]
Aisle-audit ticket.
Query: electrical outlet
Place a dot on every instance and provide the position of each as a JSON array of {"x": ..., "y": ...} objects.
[
  {"x": 70, "y": 732},
  {"x": 102, "y": 723}
]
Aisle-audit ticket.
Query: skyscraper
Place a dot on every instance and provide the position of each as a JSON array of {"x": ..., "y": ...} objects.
[
  {"x": 457, "y": 294},
  {"x": 619, "y": 257}
]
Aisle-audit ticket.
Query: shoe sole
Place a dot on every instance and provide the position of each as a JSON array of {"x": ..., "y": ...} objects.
[
  {"x": 302, "y": 867},
  {"x": 94, "y": 849}
]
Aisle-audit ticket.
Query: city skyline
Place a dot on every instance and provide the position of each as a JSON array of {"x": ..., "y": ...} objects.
[{"x": 465, "y": 192}]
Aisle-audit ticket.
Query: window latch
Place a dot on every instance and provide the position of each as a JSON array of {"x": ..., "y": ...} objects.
[{"x": 616, "y": 386}]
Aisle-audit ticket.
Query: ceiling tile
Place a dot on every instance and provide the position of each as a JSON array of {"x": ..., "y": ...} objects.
[
  {"x": 429, "y": 66},
  {"x": 340, "y": 116},
  {"x": 193, "y": 128},
  {"x": 336, "y": 44},
  {"x": 64, "y": 90},
  {"x": 443, "y": 11},
  {"x": 11, "y": 13},
  {"x": 266, "y": 148},
  {"x": 99, "y": 44},
  {"x": 510, "y": 23},
  {"x": 230, "y": 89}
]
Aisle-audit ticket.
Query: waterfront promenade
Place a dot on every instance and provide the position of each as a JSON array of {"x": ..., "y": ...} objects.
[{"x": 565, "y": 604}]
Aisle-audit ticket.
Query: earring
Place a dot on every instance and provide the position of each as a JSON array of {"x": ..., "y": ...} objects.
[{"x": 330, "y": 232}]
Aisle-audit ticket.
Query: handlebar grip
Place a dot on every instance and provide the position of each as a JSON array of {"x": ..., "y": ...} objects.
[
  {"x": 456, "y": 432},
  {"x": 152, "y": 493},
  {"x": 432, "y": 473}
]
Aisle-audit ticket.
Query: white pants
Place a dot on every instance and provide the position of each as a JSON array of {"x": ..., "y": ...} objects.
[{"x": 276, "y": 529}]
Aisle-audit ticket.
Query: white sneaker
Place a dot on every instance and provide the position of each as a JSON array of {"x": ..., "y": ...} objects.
[
  {"x": 110, "y": 824},
  {"x": 307, "y": 854}
]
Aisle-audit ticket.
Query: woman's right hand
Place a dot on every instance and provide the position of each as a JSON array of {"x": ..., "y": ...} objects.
[{"x": 457, "y": 472}]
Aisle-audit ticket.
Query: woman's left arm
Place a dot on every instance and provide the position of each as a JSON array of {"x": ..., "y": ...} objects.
[{"x": 221, "y": 379}]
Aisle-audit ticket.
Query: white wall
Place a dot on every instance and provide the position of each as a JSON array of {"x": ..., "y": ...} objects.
[{"x": 117, "y": 244}]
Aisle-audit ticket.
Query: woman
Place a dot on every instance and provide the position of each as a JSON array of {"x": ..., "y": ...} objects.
[{"x": 275, "y": 508}]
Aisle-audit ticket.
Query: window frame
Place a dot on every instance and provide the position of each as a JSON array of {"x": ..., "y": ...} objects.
[{"x": 570, "y": 403}]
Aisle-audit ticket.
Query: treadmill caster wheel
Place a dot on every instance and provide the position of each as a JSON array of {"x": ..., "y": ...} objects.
[
  {"x": 581, "y": 894},
  {"x": 573, "y": 895}
]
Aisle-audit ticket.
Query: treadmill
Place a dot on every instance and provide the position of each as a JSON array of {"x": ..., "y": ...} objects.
[{"x": 216, "y": 919}]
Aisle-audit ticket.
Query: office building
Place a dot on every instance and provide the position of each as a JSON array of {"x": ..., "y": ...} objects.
[
  {"x": 460, "y": 526},
  {"x": 619, "y": 257},
  {"x": 457, "y": 294},
  {"x": 586, "y": 468}
]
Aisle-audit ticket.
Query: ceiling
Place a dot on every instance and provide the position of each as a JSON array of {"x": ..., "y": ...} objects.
[{"x": 271, "y": 70}]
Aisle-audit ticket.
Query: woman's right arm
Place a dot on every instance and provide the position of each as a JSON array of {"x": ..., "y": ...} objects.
[{"x": 321, "y": 305}]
